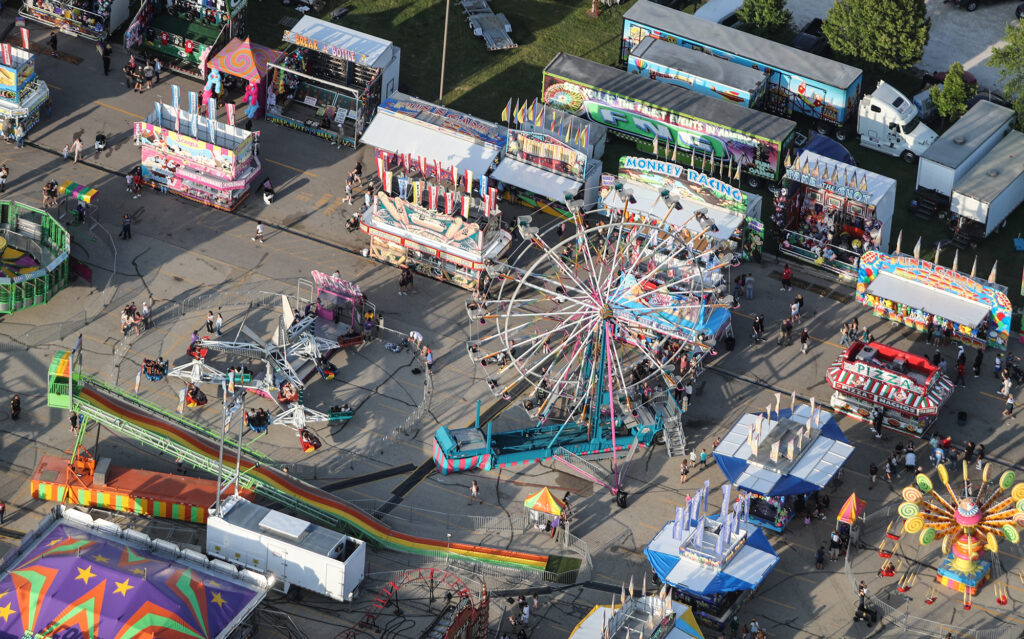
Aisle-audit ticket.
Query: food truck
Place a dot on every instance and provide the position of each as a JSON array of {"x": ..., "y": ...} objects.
[
  {"x": 691, "y": 69},
  {"x": 23, "y": 95},
  {"x": 729, "y": 137},
  {"x": 798, "y": 82},
  {"x": 908, "y": 389},
  {"x": 445, "y": 247}
]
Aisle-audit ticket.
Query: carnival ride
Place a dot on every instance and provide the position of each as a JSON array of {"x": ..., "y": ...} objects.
[
  {"x": 35, "y": 254},
  {"x": 968, "y": 523},
  {"x": 592, "y": 326}
]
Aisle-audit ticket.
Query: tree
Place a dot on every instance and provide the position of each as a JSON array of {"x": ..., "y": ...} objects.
[
  {"x": 1009, "y": 59},
  {"x": 768, "y": 18},
  {"x": 886, "y": 34},
  {"x": 950, "y": 98}
]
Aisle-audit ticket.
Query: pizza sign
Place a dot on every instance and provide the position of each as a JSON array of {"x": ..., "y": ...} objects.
[{"x": 884, "y": 376}]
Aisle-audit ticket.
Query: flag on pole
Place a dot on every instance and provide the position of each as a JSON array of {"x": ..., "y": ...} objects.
[
  {"x": 483, "y": 185},
  {"x": 211, "y": 109},
  {"x": 193, "y": 102},
  {"x": 437, "y": 170},
  {"x": 194, "y": 124},
  {"x": 492, "y": 193},
  {"x": 506, "y": 113},
  {"x": 469, "y": 181},
  {"x": 539, "y": 122},
  {"x": 381, "y": 167},
  {"x": 675, "y": 148},
  {"x": 455, "y": 176},
  {"x": 515, "y": 113},
  {"x": 449, "y": 202},
  {"x": 388, "y": 177},
  {"x": 586, "y": 136},
  {"x": 177, "y": 120},
  {"x": 175, "y": 96},
  {"x": 531, "y": 111},
  {"x": 568, "y": 132},
  {"x": 7, "y": 53},
  {"x": 466, "y": 200},
  {"x": 24, "y": 38},
  {"x": 433, "y": 197},
  {"x": 416, "y": 191},
  {"x": 522, "y": 113}
]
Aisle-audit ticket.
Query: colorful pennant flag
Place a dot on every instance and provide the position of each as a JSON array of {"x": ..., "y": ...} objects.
[
  {"x": 193, "y": 102},
  {"x": 433, "y": 197},
  {"x": 466, "y": 200},
  {"x": 24, "y": 38},
  {"x": 506, "y": 113},
  {"x": 530, "y": 113},
  {"x": 469, "y": 181},
  {"x": 211, "y": 110},
  {"x": 6, "y": 51},
  {"x": 381, "y": 167},
  {"x": 449, "y": 202},
  {"x": 388, "y": 177}
]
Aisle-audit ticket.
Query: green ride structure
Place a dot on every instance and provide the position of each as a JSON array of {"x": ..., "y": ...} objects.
[{"x": 35, "y": 251}]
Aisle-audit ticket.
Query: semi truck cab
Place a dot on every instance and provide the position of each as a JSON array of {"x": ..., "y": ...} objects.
[{"x": 888, "y": 121}]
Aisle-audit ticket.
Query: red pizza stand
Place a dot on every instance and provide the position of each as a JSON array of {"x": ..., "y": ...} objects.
[{"x": 908, "y": 389}]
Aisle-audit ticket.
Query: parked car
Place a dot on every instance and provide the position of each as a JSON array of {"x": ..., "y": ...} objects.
[{"x": 812, "y": 39}]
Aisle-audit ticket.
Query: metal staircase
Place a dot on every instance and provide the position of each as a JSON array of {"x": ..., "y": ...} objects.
[{"x": 675, "y": 440}]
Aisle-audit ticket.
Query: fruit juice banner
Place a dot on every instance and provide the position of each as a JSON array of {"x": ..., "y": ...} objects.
[
  {"x": 688, "y": 135},
  {"x": 689, "y": 184},
  {"x": 806, "y": 96},
  {"x": 944, "y": 279},
  {"x": 195, "y": 153},
  {"x": 546, "y": 152}
]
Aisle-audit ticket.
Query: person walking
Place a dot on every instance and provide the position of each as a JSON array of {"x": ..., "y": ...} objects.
[
  {"x": 19, "y": 135},
  {"x": 750, "y": 286},
  {"x": 145, "y": 314},
  {"x": 977, "y": 362},
  {"x": 357, "y": 173},
  {"x": 787, "y": 331},
  {"x": 787, "y": 278},
  {"x": 348, "y": 191},
  {"x": 76, "y": 149},
  {"x": 684, "y": 471},
  {"x": 980, "y": 456},
  {"x": 129, "y": 75},
  {"x": 107, "y": 52},
  {"x": 74, "y": 421},
  {"x": 53, "y": 43},
  {"x": 259, "y": 233},
  {"x": 819, "y": 559},
  {"x": 805, "y": 341},
  {"x": 429, "y": 358},
  {"x": 474, "y": 493},
  {"x": 219, "y": 323},
  {"x": 1007, "y": 386},
  {"x": 703, "y": 458},
  {"x": 930, "y": 327},
  {"x": 4, "y": 173},
  {"x": 126, "y": 227},
  {"x": 758, "y": 329},
  {"x": 799, "y": 299},
  {"x": 960, "y": 371},
  {"x": 209, "y": 321},
  {"x": 910, "y": 461},
  {"x": 1008, "y": 411},
  {"x": 15, "y": 406},
  {"x": 873, "y": 474},
  {"x": 844, "y": 336}
]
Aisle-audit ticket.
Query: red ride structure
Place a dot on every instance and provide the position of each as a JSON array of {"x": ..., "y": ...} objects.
[{"x": 907, "y": 389}]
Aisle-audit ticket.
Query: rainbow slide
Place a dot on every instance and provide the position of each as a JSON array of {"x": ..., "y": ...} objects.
[{"x": 370, "y": 528}]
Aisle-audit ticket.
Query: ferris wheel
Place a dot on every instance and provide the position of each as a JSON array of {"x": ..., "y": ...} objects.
[{"x": 593, "y": 318}]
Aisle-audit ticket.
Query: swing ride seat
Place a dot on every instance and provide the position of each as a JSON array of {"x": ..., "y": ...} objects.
[
  {"x": 309, "y": 441},
  {"x": 341, "y": 415},
  {"x": 196, "y": 352}
]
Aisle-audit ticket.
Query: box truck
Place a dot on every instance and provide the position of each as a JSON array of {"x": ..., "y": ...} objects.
[
  {"x": 675, "y": 120},
  {"x": 994, "y": 187},
  {"x": 691, "y": 69},
  {"x": 962, "y": 146}
]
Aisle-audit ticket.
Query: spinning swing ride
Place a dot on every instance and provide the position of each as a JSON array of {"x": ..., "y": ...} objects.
[{"x": 595, "y": 328}]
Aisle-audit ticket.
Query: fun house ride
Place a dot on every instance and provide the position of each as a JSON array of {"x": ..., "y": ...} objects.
[{"x": 594, "y": 332}]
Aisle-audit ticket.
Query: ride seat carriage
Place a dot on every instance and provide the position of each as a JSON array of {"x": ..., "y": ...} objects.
[
  {"x": 257, "y": 421},
  {"x": 154, "y": 370},
  {"x": 196, "y": 351},
  {"x": 195, "y": 398},
  {"x": 288, "y": 394},
  {"x": 341, "y": 413},
  {"x": 309, "y": 441}
]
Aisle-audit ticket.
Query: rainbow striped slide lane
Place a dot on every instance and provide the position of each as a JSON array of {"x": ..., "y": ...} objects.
[{"x": 370, "y": 528}]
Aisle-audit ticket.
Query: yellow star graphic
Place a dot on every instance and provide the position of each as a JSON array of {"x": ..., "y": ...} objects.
[
  {"x": 100, "y": 559},
  {"x": 85, "y": 575},
  {"x": 123, "y": 587},
  {"x": 217, "y": 599},
  {"x": 6, "y": 612},
  {"x": 139, "y": 571}
]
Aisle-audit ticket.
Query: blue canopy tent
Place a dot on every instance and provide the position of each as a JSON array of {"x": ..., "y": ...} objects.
[{"x": 817, "y": 454}]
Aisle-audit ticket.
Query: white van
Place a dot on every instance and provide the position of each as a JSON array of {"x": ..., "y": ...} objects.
[{"x": 720, "y": 11}]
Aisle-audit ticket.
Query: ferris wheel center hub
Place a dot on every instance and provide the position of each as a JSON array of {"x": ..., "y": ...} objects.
[{"x": 606, "y": 312}]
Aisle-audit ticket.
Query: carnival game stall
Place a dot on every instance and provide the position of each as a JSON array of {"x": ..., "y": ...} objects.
[
  {"x": 22, "y": 94},
  {"x": 196, "y": 157},
  {"x": 670, "y": 619},
  {"x": 710, "y": 213},
  {"x": 248, "y": 62},
  {"x": 714, "y": 563},
  {"x": 443, "y": 246},
  {"x": 908, "y": 389},
  {"x": 92, "y": 19},
  {"x": 185, "y": 34},
  {"x": 829, "y": 213},
  {"x": 419, "y": 140},
  {"x": 908, "y": 290},
  {"x": 331, "y": 80},
  {"x": 775, "y": 460},
  {"x": 550, "y": 157}
]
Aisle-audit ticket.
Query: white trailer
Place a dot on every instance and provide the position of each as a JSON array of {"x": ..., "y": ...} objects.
[
  {"x": 295, "y": 552},
  {"x": 995, "y": 186},
  {"x": 961, "y": 147}
]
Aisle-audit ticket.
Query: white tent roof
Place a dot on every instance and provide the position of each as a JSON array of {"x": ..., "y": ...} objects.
[
  {"x": 401, "y": 135},
  {"x": 749, "y": 565},
  {"x": 649, "y": 203},
  {"x": 535, "y": 180},
  {"x": 923, "y": 297}
]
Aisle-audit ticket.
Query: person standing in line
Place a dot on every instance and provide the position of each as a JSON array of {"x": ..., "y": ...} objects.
[
  {"x": 787, "y": 278},
  {"x": 53, "y": 43},
  {"x": 862, "y": 592},
  {"x": 126, "y": 227},
  {"x": 209, "y": 321},
  {"x": 107, "y": 52},
  {"x": 805, "y": 341},
  {"x": 219, "y": 323},
  {"x": 931, "y": 327},
  {"x": 750, "y": 286},
  {"x": 15, "y": 406},
  {"x": 259, "y": 233}
]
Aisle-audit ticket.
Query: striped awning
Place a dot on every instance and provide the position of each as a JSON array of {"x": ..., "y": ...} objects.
[
  {"x": 78, "y": 191},
  {"x": 889, "y": 395}
]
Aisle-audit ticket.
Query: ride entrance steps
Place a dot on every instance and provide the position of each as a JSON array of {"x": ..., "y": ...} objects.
[{"x": 675, "y": 441}]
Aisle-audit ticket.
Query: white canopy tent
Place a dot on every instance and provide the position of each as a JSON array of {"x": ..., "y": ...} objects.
[
  {"x": 928, "y": 299},
  {"x": 402, "y": 135}
]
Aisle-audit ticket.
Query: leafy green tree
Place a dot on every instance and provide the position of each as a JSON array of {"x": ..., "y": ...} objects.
[
  {"x": 950, "y": 98},
  {"x": 885, "y": 34},
  {"x": 768, "y": 18},
  {"x": 1009, "y": 59}
]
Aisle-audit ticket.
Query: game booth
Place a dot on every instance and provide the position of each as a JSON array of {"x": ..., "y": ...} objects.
[
  {"x": 449, "y": 245},
  {"x": 830, "y": 213},
  {"x": 708, "y": 212},
  {"x": 669, "y": 619},
  {"x": 22, "y": 94},
  {"x": 92, "y": 19},
  {"x": 776, "y": 461},
  {"x": 331, "y": 80},
  {"x": 550, "y": 157},
  {"x": 341, "y": 303},
  {"x": 711, "y": 563},
  {"x": 247, "y": 62},
  {"x": 907, "y": 290},
  {"x": 421, "y": 141},
  {"x": 184, "y": 34},
  {"x": 908, "y": 389},
  {"x": 198, "y": 158},
  {"x": 35, "y": 252}
]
